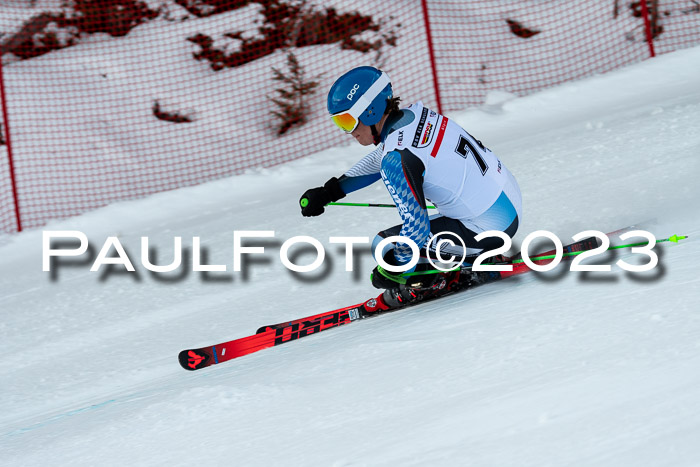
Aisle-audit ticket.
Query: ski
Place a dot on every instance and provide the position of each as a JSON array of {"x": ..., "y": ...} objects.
[
  {"x": 194, "y": 359},
  {"x": 518, "y": 268},
  {"x": 273, "y": 335}
]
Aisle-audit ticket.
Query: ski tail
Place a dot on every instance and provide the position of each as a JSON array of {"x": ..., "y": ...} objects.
[{"x": 589, "y": 243}]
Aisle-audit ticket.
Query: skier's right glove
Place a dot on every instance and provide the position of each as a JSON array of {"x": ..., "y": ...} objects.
[{"x": 312, "y": 202}]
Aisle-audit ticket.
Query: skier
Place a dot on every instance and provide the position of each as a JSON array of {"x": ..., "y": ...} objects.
[{"x": 420, "y": 155}]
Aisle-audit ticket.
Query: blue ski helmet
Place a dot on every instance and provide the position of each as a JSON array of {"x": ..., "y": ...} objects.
[{"x": 359, "y": 95}]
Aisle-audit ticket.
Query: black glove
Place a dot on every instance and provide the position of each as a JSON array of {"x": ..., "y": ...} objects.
[
  {"x": 383, "y": 279},
  {"x": 312, "y": 202}
]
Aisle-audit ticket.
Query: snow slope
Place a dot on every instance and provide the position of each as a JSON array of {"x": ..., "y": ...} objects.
[{"x": 548, "y": 369}]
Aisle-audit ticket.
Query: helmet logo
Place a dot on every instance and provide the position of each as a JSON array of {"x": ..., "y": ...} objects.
[{"x": 352, "y": 92}]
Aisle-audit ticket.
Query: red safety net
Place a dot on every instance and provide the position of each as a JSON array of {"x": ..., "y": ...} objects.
[
  {"x": 522, "y": 47},
  {"x": 109, "y": 100}
]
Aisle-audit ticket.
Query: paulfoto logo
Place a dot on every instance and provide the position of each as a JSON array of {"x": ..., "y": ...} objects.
[{"x": 443, "y": 245}]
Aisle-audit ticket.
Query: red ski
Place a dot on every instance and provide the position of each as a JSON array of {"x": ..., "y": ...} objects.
[{"x": 194, "y": 359}]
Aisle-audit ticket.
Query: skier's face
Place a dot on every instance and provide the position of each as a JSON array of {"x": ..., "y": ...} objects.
[{"x": 363, "y": 134}]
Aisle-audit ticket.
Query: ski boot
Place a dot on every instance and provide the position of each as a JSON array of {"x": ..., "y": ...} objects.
[
  {"x": 419, "y": 288},
  {"x": 402, "y": 295},
  {"x": 468, "y": 278}
]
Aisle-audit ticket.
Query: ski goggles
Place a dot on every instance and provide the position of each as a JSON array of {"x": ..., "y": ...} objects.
[{"x": 348, "y": 120}]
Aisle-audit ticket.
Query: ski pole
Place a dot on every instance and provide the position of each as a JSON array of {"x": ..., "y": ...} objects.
[
  {"x": 673, "y": 238},
  {"x": 368, "y": 205},
  {"x": 305, "y": 202}
]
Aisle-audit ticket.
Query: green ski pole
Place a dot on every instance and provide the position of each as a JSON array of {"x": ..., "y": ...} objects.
[
  {"x": 673, "y": 239},
  {"x": 369, "y": 205}
]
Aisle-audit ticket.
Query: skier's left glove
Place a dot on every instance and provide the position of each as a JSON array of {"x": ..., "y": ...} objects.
[{"x": 312, "y": 202}]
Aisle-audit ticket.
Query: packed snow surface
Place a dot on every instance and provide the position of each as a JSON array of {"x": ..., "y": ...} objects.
[{"x": 560, "y": 368}]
